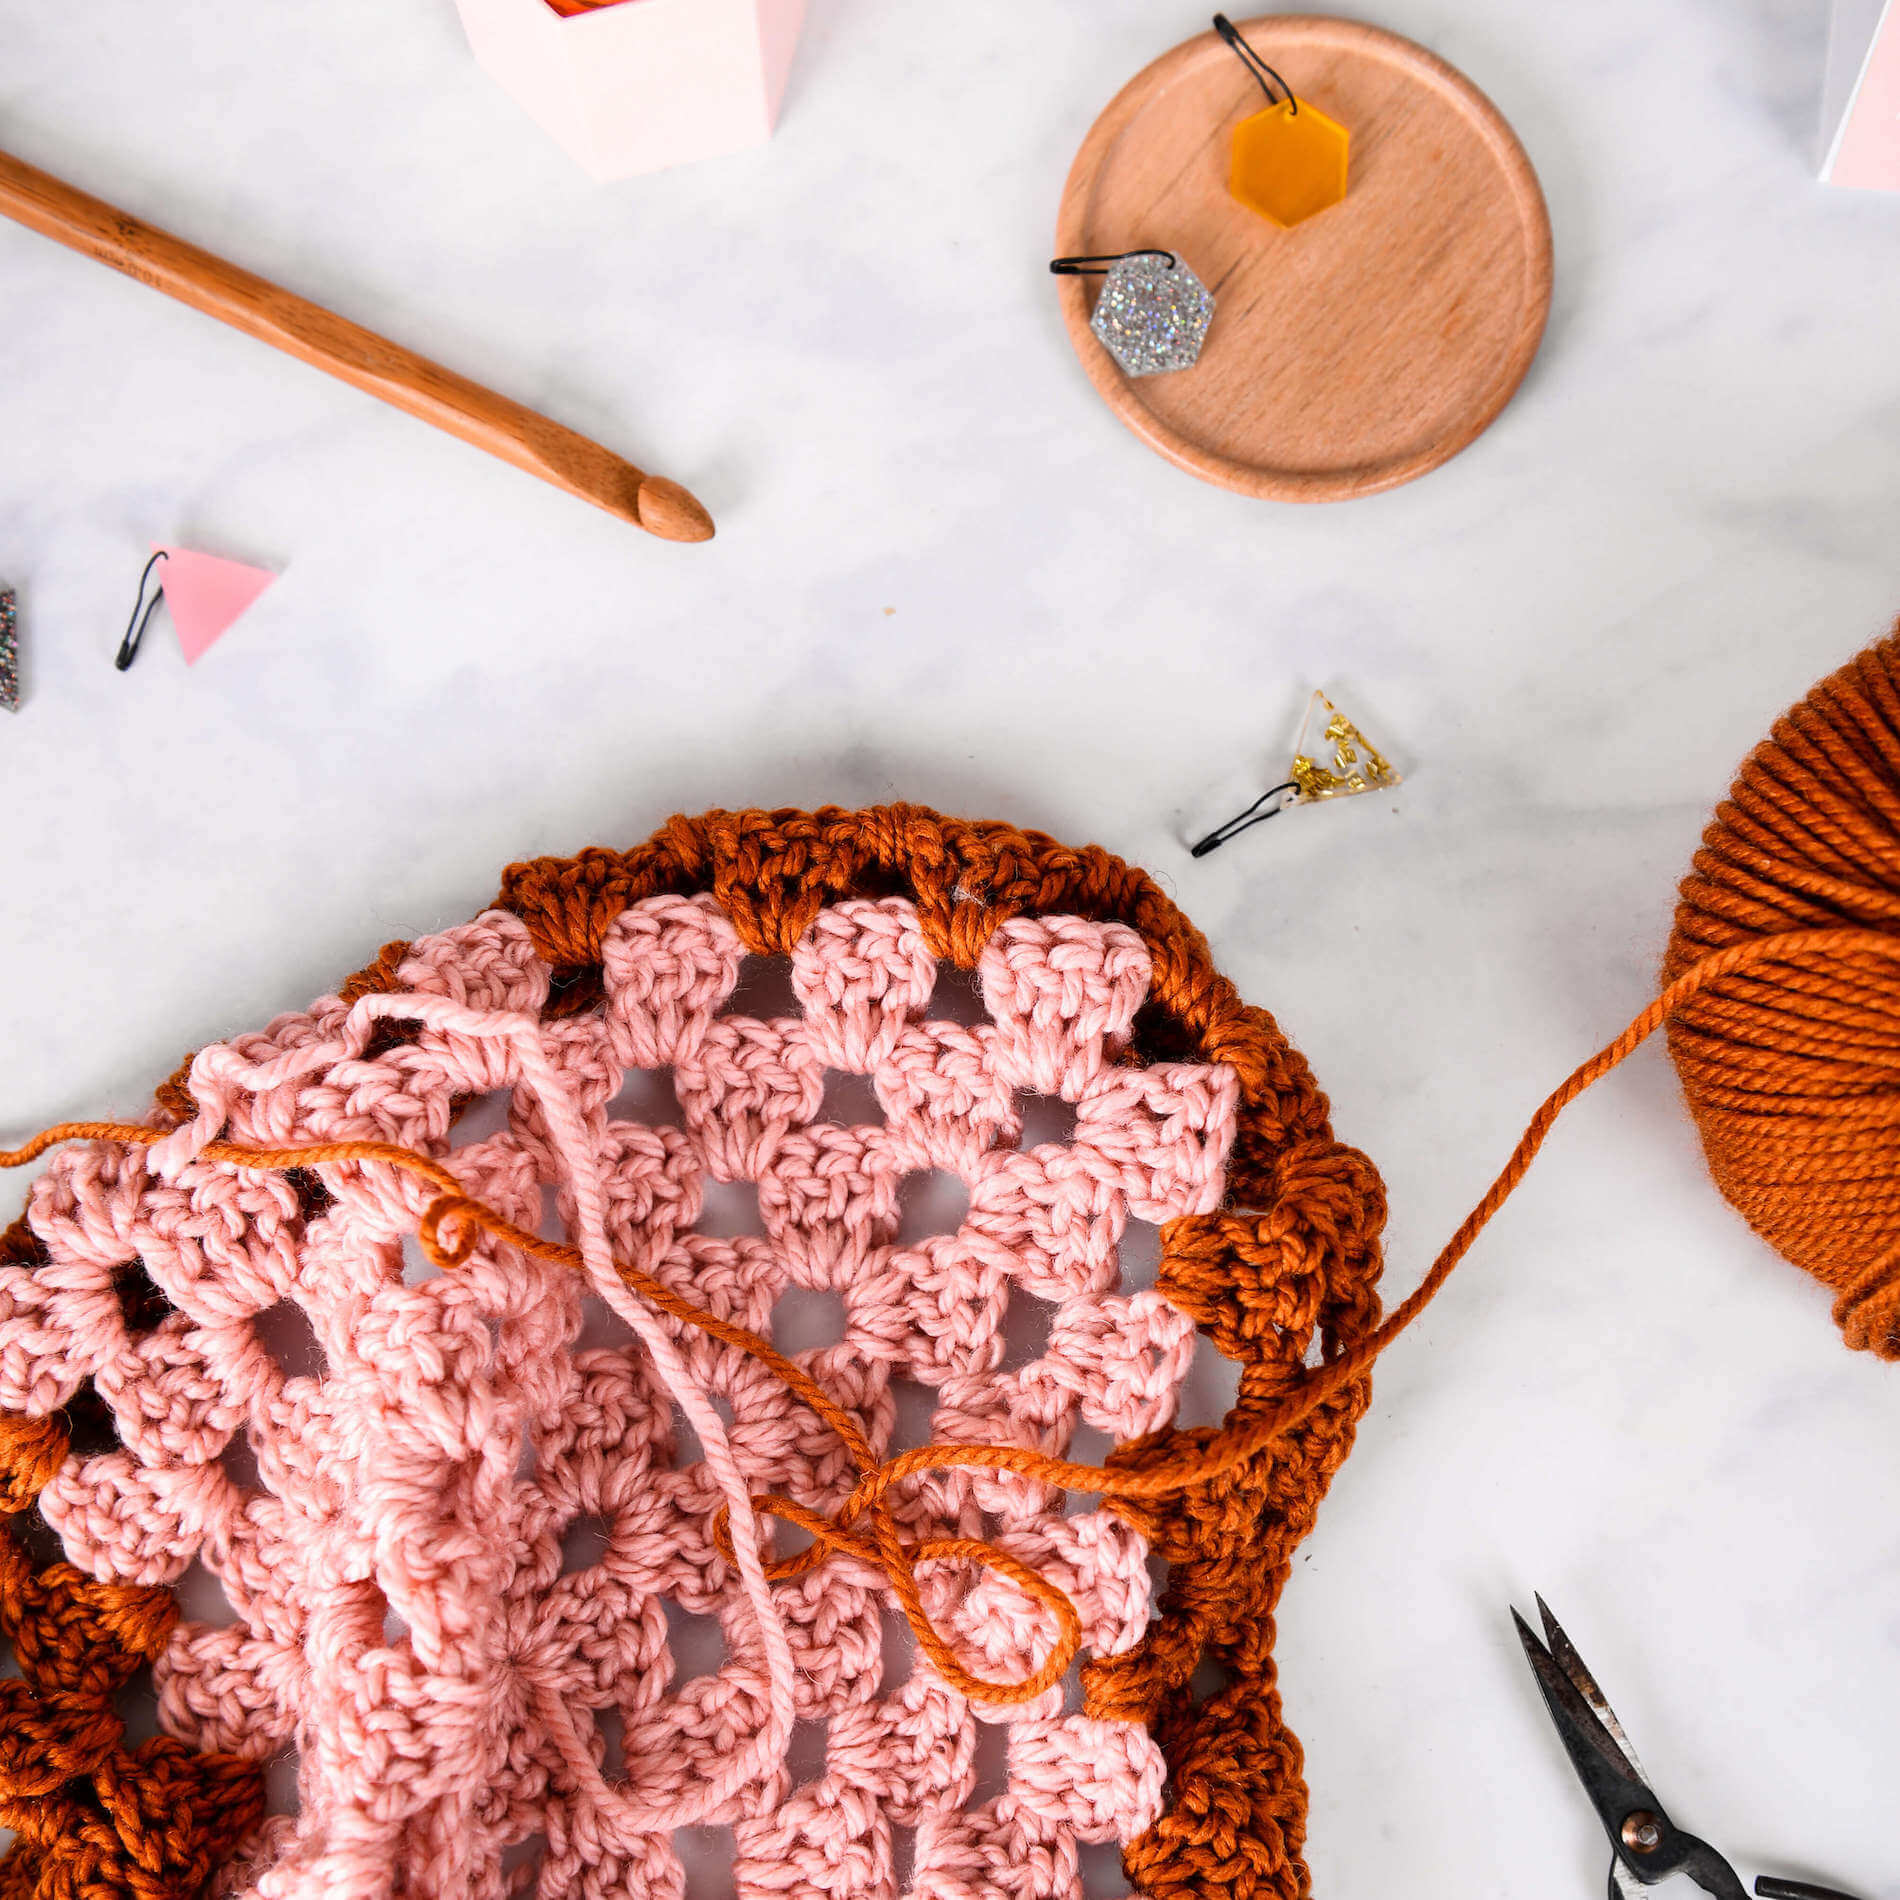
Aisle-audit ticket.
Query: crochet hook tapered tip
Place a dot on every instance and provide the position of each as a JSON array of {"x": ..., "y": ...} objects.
[
  {"x": 357, "y": 356},
  {"x": 668, "y": 510}
]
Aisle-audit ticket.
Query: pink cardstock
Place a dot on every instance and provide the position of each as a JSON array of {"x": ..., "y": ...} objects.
[
  {"x": 206, "y": 595},
  {"x": 645, "y": 84},
  {"x": 1864, "y": 146}
]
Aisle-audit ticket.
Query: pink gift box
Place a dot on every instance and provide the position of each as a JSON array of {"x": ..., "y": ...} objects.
[
  {"x": 1861, "y": 114},
  {"x": 643, "y": 84}
]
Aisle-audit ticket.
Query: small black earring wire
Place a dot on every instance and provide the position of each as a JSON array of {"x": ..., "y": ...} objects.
[
  {"x": 135, "y": 627},
  {"x": 1098, "y": 266},
  {"x": 1252, "y": 816},
  {"x": 1261, "y": 71}
]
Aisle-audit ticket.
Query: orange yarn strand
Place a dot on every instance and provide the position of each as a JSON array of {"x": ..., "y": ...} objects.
[{"x": 451, "y": 1224}]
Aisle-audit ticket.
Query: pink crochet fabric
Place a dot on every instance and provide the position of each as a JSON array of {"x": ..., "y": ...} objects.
[{"x": 390, "y": 1533}]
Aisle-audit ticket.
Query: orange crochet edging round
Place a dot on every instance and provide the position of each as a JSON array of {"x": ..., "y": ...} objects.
[{"x": 1288, "y": 1265}]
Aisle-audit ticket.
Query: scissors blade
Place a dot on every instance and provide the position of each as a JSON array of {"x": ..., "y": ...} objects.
[
  {"x": 1618, "y": 1788},
  {"x": 1612, "y": 1782},
  {"x": 1564, "y": 1653}
]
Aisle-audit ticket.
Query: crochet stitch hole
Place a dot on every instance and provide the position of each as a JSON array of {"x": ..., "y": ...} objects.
[
  {"x": 764, "y": 991},
  {"x": 38, "y": 1539},
  {"x": 989, "y": 1762},
  {"x": 201, "y": 1597},
  {"x": 647, "y": 1097},
  {"x": 314, "y": 1200},
  {"x": 1138, "y": 1256},
  {"x": 1100, "y": 1866},
  {"x": 897, "y": 1651},
  {"x": 600, "y": 1326},
  {"x": 610, "y": 1728},
  {"x": 1211, "y": 1388},
  {"x": 483, "y": 1117},
  {"x": 136, "y": 1706},
  {"x": 805, "y": 1752},
  {"x": 930, "y": 1203},
  {"x": 141, "y": 1304},
  {"x": 729, "y": 1209},
  {"x": 90, "y": 1431},
  {"x": 804, "y": 1320},
  {"x": 285, "y": 1332},
  {"x": 850, "y": 1100},
  {"x": 584, "y": 1544},
  {"x": 696, "y": 1644},
  {"x": 957, "y": 998},
  {"x": 1210, "y": 1678},
  {"x": 417, "y": 1267},
  {"x": 1048, "y": 1121},
  {"x": 282, "y": 1776},
  {"x": 706, "y": 1854},
  {"x": 789, "y": 1539},
  {"x": 521, "y": 1866},
  {"x": 915, "y": 1412},
  {"x": 1026, "y": 1326},
  {"x": 903, "y": 1857}
]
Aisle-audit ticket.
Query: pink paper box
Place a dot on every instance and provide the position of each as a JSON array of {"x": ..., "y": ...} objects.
[
  {"x": 645, "y": 84},
  {"x": 1860, "y": 130}
]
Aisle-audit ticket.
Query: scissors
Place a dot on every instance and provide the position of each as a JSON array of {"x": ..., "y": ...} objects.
[{"x": 1646, "y": 1845}]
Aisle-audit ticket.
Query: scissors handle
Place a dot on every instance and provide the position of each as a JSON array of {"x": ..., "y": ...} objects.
[{"x": 1795, "y": 1890}]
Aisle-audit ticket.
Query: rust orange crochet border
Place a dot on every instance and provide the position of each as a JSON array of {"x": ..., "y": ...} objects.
[{"x": 1291, "y": 1263}]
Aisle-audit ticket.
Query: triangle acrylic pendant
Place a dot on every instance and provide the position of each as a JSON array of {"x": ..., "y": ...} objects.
[
  {"x": 1334, "y": 759},
  {"x": 207, "y": 595}
]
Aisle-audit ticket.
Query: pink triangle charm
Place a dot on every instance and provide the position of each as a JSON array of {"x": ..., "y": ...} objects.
[{"x": 206, "y": 595}]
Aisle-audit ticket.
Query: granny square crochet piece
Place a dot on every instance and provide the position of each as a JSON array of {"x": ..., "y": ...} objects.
[{"x": 493, "y": 1539}]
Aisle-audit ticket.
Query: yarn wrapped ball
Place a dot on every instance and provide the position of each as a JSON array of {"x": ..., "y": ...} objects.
[{"x": 1792, "y": 1069}]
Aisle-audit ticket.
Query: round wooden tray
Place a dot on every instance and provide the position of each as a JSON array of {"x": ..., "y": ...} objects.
[{"x": 1361, "y": 348}]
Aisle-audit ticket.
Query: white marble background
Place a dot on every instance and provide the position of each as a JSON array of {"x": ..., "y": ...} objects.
[{"x": 945, "y": 573}]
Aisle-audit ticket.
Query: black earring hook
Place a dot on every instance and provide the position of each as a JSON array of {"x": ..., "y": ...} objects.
[
  {"x": 1261, "y": 71},
  {"x": 135, "y": 627},
  {"x": 1098, "y": 266},
  {"x": 1252, "y": 816}
]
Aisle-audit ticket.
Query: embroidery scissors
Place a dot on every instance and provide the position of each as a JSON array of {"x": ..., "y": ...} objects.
[{"x": 1646, "y": 1846}]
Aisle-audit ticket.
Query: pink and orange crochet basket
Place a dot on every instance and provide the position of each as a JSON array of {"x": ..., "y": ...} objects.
[{"x": 555, "y": 1573}]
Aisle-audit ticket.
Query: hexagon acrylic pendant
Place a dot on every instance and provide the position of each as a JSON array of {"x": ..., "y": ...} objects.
[
  {"x": 1289, "y": 162},
  {"x": 1153, "y": 314}
]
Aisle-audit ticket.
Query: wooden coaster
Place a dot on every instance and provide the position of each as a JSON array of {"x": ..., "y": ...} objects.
[{"x": 1354, "y": 351}]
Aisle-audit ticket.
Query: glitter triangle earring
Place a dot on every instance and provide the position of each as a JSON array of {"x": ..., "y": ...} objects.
[
  {"x": 1153, "y": 313},
  {"x": 1334, "y": 759}
]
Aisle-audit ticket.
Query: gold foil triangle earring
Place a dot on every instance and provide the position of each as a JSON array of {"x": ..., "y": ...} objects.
[{"x": 1334, "y": 759}]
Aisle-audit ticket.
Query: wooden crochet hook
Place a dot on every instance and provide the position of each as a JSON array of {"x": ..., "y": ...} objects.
[{"x": 306, "y": 330}]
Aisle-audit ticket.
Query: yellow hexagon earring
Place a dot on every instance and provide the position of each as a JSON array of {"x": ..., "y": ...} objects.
[{"x": 1290, "y": 160}]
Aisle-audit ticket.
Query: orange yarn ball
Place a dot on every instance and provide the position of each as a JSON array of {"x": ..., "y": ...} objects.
[{"x": 1792, "y": 1070}]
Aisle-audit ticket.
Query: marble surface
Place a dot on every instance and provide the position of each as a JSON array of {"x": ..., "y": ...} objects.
[{"x": 945, "y": 573}]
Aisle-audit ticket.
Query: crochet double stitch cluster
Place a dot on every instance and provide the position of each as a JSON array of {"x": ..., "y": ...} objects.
[{"x": 391, "y": 1534}]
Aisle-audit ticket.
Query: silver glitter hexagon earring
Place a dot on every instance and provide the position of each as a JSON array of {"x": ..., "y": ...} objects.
[{"x": 1153, "y": 312}]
